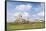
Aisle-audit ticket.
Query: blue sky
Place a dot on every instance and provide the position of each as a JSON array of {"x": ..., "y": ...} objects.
[{"x": 34, "y": 10}]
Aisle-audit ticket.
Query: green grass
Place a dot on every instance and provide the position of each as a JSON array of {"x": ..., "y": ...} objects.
[{"x": 37, "y": 25}]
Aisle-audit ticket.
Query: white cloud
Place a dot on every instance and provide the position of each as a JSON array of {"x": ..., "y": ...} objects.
[
  {"x": 24, "y": 14},
  {"x": 23, "y": 7},
  {"x": 11, "y": 19},
  {"x": 39, "y": 15},
  {"x": 17, "y": 13}
]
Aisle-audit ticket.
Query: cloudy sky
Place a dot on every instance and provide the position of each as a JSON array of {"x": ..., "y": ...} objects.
[{"x": 33, "y": 10}]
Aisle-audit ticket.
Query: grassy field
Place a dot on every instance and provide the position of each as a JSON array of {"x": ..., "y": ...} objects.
[{"x": 37, "y": 25}]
